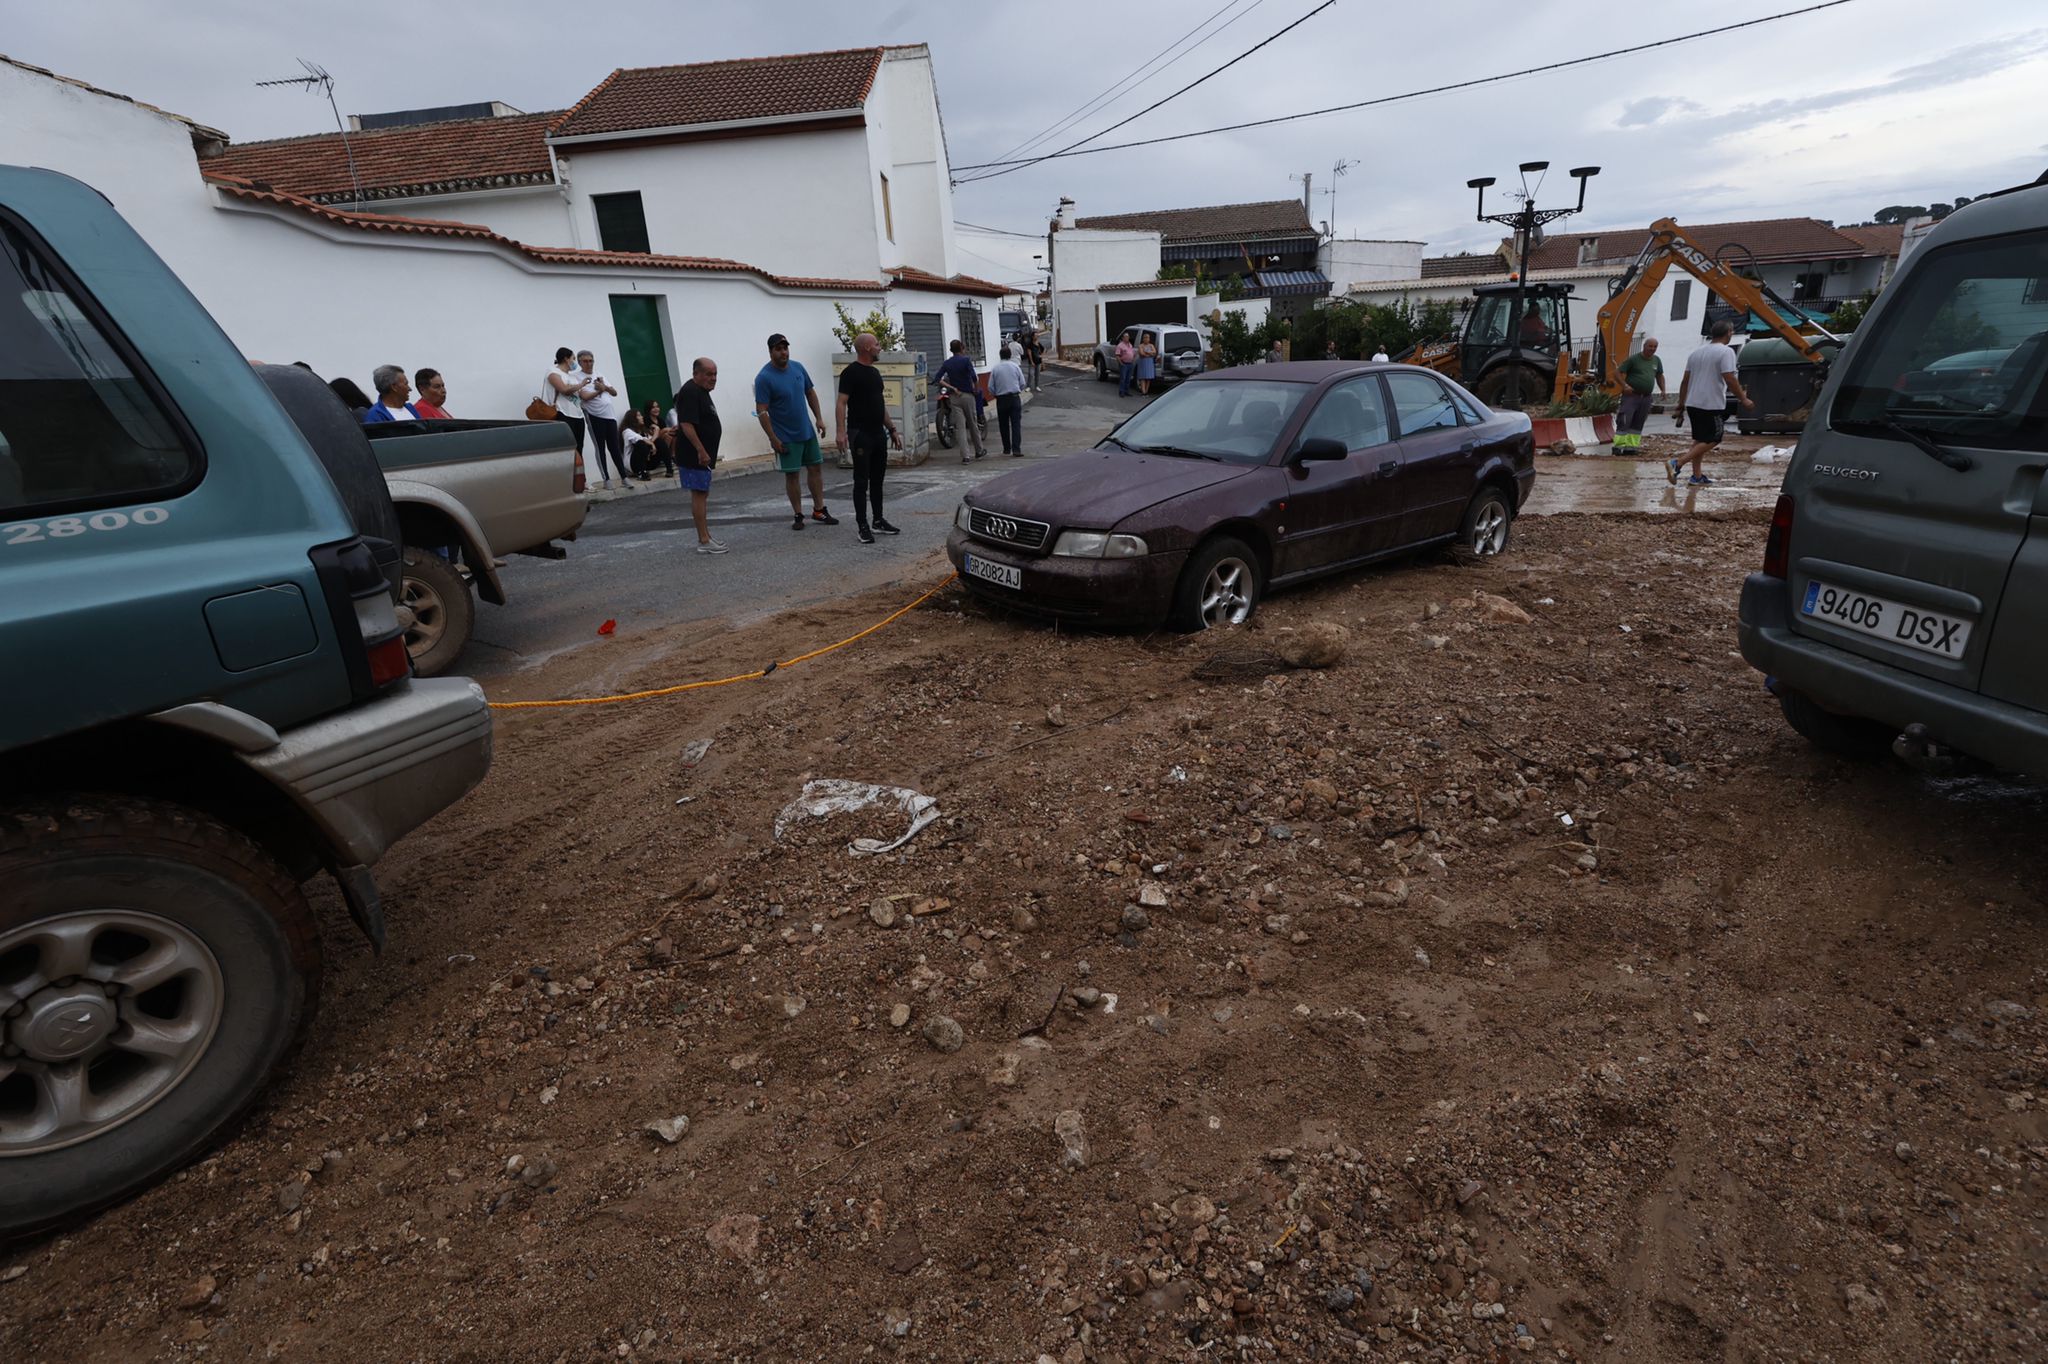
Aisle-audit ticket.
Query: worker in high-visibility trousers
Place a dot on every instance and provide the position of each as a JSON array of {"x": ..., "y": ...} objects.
[{"x": 1640, "y": 373}]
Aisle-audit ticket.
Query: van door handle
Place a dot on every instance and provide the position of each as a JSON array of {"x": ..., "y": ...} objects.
[
  {"x": 1468, "y": 447},
  {"x": 1389, "y": 468}
]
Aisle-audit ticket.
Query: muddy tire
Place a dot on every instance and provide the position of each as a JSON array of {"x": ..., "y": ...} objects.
[
  {"x": 1513, "y": 386},
  {"x": 1219, "y": 587},
  {"x": 1486, "y": 526},
  {"x": 1845, "y": 736},
  {"x": 156, "y": 968},
  {"x": 443, "y": 611}
]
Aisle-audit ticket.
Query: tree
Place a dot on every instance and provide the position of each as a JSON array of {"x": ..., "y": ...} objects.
[
  {"x": 1236, "y": 341},
  {"x": 877, "y": 322},
  {"x": 1895, "y": 214}
]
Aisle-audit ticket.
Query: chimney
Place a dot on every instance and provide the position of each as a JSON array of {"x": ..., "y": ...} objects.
[
  {"x": 1589, "y": 250},
  {"x": 1066, "y": 212}
]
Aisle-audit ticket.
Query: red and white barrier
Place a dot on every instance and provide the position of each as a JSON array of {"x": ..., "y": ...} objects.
[{"x": 1580, "y": 431}]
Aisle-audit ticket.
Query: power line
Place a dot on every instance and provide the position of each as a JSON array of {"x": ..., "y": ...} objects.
[
  {"x": 996, "y": 168},
  {"x": 1000, "y": 231},
  {"x": 1138, "y": 76},
  {"x": 1156, "y": 103}
]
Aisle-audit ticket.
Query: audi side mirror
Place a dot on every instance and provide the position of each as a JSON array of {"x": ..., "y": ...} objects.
[{"x": 1320, "y": 448}]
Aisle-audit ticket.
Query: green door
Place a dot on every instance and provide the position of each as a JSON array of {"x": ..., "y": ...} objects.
[{"x": 643, "y": 359}]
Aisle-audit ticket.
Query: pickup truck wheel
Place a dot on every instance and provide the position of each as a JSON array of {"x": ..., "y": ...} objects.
[
  {"x": 443, "y": 612},
  {"x": 1101, "y": 370},
  {"x": 1845, "y": 736},
  {"x": 156, "y": 967},
  {"x": 1218, "y": 587}
]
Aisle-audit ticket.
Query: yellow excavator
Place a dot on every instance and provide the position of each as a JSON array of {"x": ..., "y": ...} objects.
[{"x": 1783, "y": 406}]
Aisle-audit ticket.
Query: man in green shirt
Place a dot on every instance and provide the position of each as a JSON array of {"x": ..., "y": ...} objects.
[{"x": 1639, "y": 374}]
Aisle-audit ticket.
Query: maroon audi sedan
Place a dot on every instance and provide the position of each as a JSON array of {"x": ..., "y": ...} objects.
[{"x": 1241, "y": 481}]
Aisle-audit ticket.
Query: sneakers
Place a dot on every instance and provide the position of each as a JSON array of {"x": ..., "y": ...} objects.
[
  {"x": 823, "y": 517},
  {"x": 867, "y": 537},
  {"x": 605, "y": 485},
  {"x": 885, "y": 527},
  {"x": 1671, "y": 468},
  {"x": 1699, "y": 481},
  {"x": 798, "y": 523},
  {"x": 711, "y": 547}
]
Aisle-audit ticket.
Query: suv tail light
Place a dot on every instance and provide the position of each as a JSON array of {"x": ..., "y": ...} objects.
[
  {"x": 582, "y": 484},
  {"x": 358, "y": 596},
  {"x": 1778, "y": 548}
]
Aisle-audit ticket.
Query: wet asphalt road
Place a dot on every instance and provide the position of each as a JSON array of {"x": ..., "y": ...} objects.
[{"x": 635, "y": 560}]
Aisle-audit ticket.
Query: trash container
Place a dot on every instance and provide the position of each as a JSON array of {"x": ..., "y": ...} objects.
[{"x": 1782, "y": 382}]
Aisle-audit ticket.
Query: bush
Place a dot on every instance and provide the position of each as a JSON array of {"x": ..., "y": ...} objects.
[
  {"x": 877, "y": 322},
  {"x": 1236, "y": 341},
  {"x": 1847, "y": 316},
  {"x": 1358, "y": 328},
  {"x": 1591, "y": 402}
]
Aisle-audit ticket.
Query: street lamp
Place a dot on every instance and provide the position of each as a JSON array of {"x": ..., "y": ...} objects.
[{"x": 1526, "y": 219}]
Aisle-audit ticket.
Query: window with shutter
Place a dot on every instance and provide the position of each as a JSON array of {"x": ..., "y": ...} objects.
[{"x": 621, "y": 222}]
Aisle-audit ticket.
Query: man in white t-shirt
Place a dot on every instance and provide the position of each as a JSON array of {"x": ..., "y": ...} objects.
[
  {"x": 1703, "y": 400},
  {"x": 602, "y": 417}
]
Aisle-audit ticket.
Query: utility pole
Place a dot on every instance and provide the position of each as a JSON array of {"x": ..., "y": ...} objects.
[{"x": 1525, "y": 220}]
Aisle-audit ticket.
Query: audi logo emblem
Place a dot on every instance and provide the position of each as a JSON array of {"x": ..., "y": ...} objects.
[{"x": 1002, "y": 527}]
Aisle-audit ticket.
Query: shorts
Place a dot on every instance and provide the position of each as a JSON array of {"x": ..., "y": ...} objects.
[
  {"x": 1707, "y": 425},
  {"x": 798, "y": 454},
  {"x": 694, "y": 480}
]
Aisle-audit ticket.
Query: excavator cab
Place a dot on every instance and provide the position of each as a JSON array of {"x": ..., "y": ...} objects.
[{"x": 1509, "y": 352}]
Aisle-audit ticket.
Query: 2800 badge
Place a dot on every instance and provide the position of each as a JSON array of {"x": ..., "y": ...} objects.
[{"x": 64, "y": 527}]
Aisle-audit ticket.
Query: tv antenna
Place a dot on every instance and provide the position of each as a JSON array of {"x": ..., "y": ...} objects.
[
  {"x": 316, "y": 78},
  {"x": 1336, "y": 173}
]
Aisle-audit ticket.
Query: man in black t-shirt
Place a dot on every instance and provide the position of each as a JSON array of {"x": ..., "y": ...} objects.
[
  {"x": 864, "y": 422},
  {"x": 697, "y": 433}
]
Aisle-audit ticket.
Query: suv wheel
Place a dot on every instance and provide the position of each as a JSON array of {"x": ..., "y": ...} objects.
[
  {"x": 443, "y": 612},
  {"x": 1845, "y": 736},
  {"x": 155, "y": 968},
  {"x": 1101, "y": 370},
  {"x": 1218, "y": 587}
]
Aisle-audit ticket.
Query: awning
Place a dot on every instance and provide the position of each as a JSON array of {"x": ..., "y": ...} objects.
[{"x": 1275, "y": 283}]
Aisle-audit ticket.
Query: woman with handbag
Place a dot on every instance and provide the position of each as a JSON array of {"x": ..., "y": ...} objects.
[{"x": 561, "y": 393}]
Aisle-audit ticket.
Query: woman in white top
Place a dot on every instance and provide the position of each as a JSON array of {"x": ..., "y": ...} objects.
[{"x": 563, "y": 387}]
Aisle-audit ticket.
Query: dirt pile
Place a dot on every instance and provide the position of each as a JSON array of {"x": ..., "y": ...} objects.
[{"x": 1518, "y": 985}]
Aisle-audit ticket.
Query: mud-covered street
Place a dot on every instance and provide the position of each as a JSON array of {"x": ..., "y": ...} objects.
[{"x": 1519, "y": 985}]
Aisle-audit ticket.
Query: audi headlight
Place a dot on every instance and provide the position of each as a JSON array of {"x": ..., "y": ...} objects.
[
  {"x": 961, "y": 518},
  {"x": 1096, "y": 544}
]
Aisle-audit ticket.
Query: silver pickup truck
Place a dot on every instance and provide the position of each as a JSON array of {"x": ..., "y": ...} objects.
[{"x": 469, "y": 493}]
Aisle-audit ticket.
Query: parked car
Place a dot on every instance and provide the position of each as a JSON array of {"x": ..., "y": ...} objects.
[
  {"x": 1904, "y": 589},
  {"x": 1244, "y": 480},
  {"x": 468, "y": 492},
  {"x": 208, "y": 701},
  {"x": 1180, "y": 351}
]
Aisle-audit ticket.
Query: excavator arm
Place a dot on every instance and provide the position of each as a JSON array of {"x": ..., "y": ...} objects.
[{"x": 1669, "y": 246}]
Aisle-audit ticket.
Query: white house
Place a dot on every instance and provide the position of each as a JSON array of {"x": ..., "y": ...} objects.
[{"x": 479, "y": 249}]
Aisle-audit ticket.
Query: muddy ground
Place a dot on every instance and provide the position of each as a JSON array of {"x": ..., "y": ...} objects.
[{"x": 1521, "y": 985}]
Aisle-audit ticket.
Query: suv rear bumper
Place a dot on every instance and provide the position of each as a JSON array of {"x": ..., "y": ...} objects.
[
  {"x": 1998, "y": 732},
  {"x": 371, "y": 774}
]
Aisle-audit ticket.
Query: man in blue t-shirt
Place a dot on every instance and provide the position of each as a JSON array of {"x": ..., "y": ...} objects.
[
  {"x": 958, "y": 386},
  {"x": 781, "y": 390}
]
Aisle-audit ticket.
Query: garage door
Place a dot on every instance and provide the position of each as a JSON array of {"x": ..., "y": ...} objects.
[
  {"x": 926, "y": 332},
  {"x": 1121, "y": 315}
]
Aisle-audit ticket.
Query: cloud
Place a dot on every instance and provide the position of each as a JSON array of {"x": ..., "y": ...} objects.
[
  {"x": 1954, "y": 67},
  {"x": 1641, "y": 113}
]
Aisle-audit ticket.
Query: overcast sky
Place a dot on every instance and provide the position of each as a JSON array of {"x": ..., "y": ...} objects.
[{"x": 1832, "y": 115}]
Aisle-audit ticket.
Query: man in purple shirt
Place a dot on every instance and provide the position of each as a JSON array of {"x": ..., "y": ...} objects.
[{"x": 958, "y": 384}]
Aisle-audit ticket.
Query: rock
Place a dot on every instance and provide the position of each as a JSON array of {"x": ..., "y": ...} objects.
[
  {"x": 670, "y": 1130},
  {"x": 1340, "y": 1299},
  {"x": 1421, "y": 956},
  {"x": 290, "y": 1194},
  {"x": 899, "y": 1015},
  {"x": 197, "y": 1294},
  {"x": 903, "y": 1252},
  {"x": 1320, "y": 644},
  {"x": 1023, "y": 920},
  {"x": 944, "y": 1034},
  {"x": 1563, "y": 447},
  {"x": 1280, "y": 831},
  {"x": 1859, "y": 1301},
  {"x": 1088, "y": 996},
  {"x": 737, "y": 1236},
  {"x": 1193, "y": 1210},
  {"x": 1500, "y": 609},
  {"x": 1435, "y": 642},
  {"x": 2005, "y": 1008},
  {"x": 1073, "y": 1140},
  {"x": 1055, "y": 717},
  {"x": 883, "y": 913},
  {"x": 1135, "y": 920},
  {"x": 1152, "y": 895},
  {"x": 1904, "y": 1151},
  {"x": 1363, "y": 1277},
  {"x": 1158, "y": 1024},
  {"x": 537, "y": 1171},
  {"x": 1318, "y": 789},
  {"x": 1469, "y": 1190},
  {"x": 790, "y": 1005}
]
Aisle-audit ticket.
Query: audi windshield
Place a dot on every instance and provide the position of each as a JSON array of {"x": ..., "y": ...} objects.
[{"x": 1236, "y": 421}]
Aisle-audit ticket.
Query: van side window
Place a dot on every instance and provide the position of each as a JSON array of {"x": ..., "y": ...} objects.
[
  {"x": 1959, "y": 352},
  {"x": 77, "y": 425}
]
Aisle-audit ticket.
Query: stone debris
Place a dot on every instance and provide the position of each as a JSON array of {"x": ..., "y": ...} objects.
[{"x": 1073, "y": 1139}]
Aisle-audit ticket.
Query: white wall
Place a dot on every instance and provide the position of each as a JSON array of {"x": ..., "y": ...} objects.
[
  {"x": 285, "y": 286},
  {"x": 1076, "y": 318},
  {"x": 1087, "y": 258},
  {"x": 537, "y": 215},
  {"x": 908, "y": 140},
  {"x": 947, "y": 305},
  {"x": 1348, "y": 262},
  {"x": 794, "y": 203}
]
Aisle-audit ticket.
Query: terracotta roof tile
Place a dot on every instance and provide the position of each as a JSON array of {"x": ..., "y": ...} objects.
[
  {"x": 1270, "y": 218},
  {"x": 1145, "y": 284},
  {"x": 1463, "y": 264},
  {"x": 909, "y": 277},
  {"x": 648, "y": 97},
  {"x": 435, "y": 227},
  {"x": 1767, "y": 239},
  {"x": 425, "y": 158},
  {"x": 1878, "y": 239}
]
